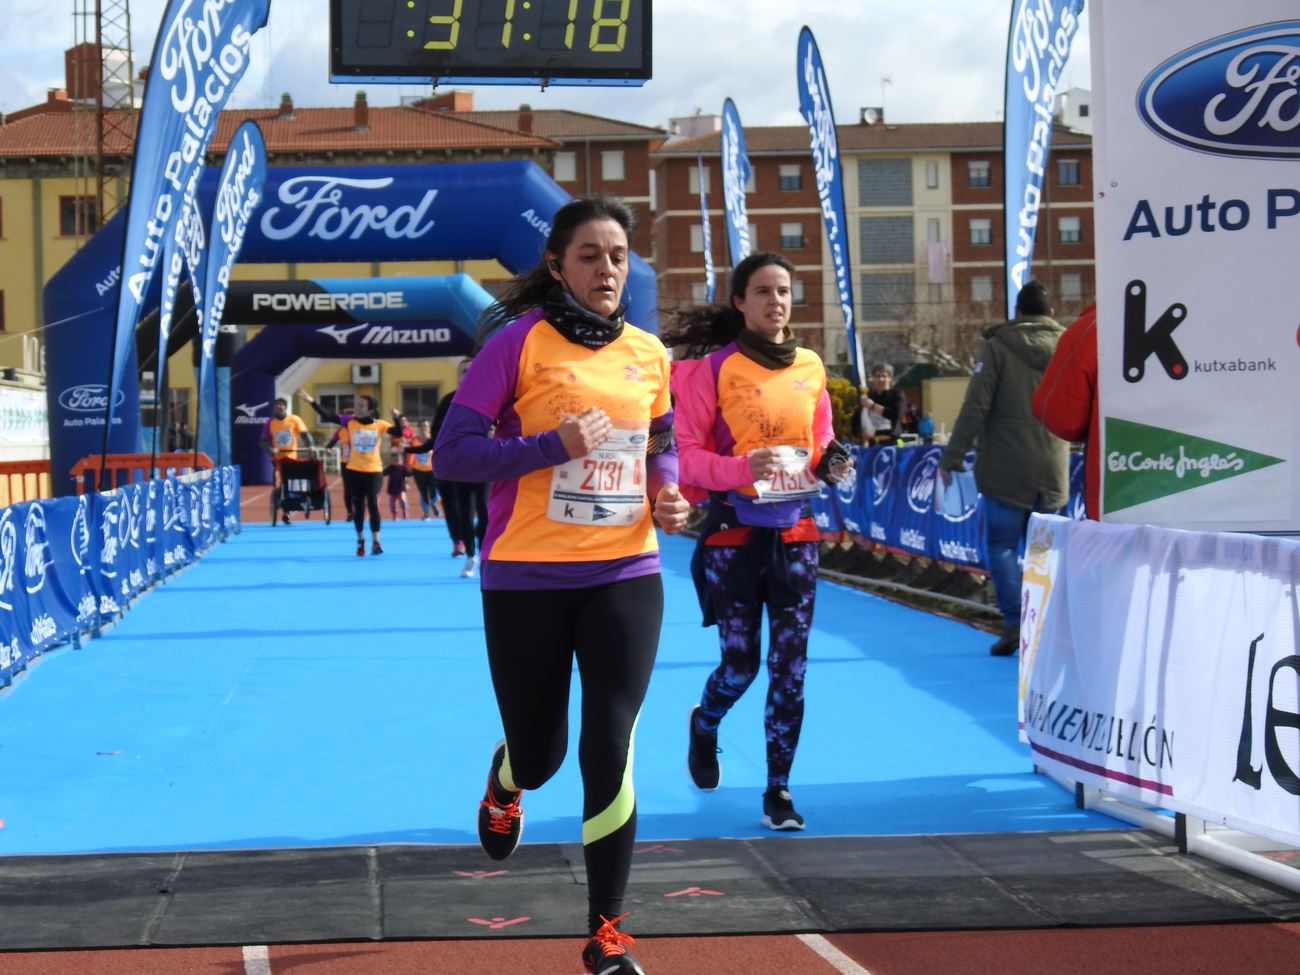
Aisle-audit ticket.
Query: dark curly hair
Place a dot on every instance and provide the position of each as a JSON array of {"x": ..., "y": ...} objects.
[{"x": 702, "y": 329}]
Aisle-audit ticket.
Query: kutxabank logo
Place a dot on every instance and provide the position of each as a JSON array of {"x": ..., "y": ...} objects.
[
  {"x": 1144, "y": 463},
  {"x": 1236, "y": 94}
]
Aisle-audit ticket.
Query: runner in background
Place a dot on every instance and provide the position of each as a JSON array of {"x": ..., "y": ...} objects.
[
  {"x": 363, "y": 473},
  {"x": 422, "y": 471},
  {"x": 465, "y": 502},
  {"x": 280, "y": 438},
  {"x": 566, "y": 411},
  {"x": 340, "y": 440},
  {"x": 753, "y": 423}
]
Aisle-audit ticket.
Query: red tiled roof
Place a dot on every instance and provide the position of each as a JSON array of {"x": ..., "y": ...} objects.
[
  {"x": 891, "y": 137},
  {"x": 307, "y": 130},
  {"x": 563, "y": 124}
]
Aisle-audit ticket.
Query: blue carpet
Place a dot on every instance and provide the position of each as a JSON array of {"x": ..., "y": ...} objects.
[{"x": 285, "y": 693}]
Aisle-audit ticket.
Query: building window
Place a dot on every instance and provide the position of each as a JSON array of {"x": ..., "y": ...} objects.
[
  {"x": 753, "y": 239},
  {"x": 697, "y": 239},
  {"x": 978, "y": 173},
  {"x": 336, "y": 399},
  {"x": 932, "y": 174},
  {"x": 1085, "y": 111},
  {"x": 78, "y": 216},
  {"x": 699, "y": 292},
  {"x": 935, "y": 294},
  {"x": 791, "y": 236},
  {"x": 884, "y": 182},
  {"x": 981, "y": 230},
  {"x": 3, "y": 325},
  {"x": 693, "y": 180},
  {"x": 752, "y": 182},
  {"x": 1070, "y": 287},
  {"x": 566, "y": 167},
  {"x": 790, "y": 178},
  {"x": 1069, "y": 230},
  {"x": 981, "y": 288},
  {"x": 419, "y": 402},
  {"x": 1067, "y": 172},
  {"x": 611, "y": 165},
  {"x": 797, "y": 296},
  {"x": 933, "y": 229}
]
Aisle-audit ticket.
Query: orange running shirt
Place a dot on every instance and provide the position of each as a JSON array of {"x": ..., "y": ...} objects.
[
  {"x": 364, "y": 440},
  {"x": 283, "y": 435}
]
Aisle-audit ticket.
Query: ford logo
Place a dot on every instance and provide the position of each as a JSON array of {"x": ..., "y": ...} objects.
[
  {"x": 89, "y": 399},
  {"x": 1235, "y": 95},
  {"x": 882, "y": 473}
]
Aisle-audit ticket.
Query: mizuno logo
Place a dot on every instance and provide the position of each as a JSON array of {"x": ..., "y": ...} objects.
[
  {"x": 251, "y": 410},
  {"x": 340, "y": 334}
]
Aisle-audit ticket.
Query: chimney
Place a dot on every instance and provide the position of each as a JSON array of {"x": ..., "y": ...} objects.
[
  {"x": 525, "y": 123},
  {"x": 360, "y": 114},
  {"x": 450, "y": 101},
  {"x": 81, "y": 69},
  {"x": 286, "y": 106}
]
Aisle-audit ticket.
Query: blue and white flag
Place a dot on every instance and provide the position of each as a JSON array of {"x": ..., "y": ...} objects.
[
  {"x": 706, "y": 233},
  {"x": 1037, "y": 47},
  {"x": 183, "y": 250},
  {"x": 815, "y": 107},
  {"x": 201, "y": 52},
  {"x": 735, "y": 177},
  {"x": 239, "y": 193}
]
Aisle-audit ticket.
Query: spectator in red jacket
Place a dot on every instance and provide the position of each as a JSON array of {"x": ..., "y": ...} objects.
[{"x": 1066, "y": 399}]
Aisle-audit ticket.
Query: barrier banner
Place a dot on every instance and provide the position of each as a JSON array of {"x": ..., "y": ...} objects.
[
  {"x": 735, "y": 177},
  {"x": 958, "y": 532},
  {"x": 1160, "y": 666},
  {"x": 1196, "y": 146},
  {"x": 1038, "y": 44},
  {"x": 882, "y": 487},
  {"x": 818, "y": 114},
  {"x": 198, "y": 57},
  {"x": 915, "y": 509},
  {"x": 706, "y": 232},
  {"x": 239, "y": 193}
]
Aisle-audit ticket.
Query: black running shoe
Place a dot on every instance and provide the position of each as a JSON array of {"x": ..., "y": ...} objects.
[
  {"x": 500, "y": 819},
  {"x": 361, "y": 548},
  {"x": 1007, "y": 644},
  {"x": 779, "y": 812},
  {"x": 376, "y": 548},
  {"x": 606, "y": 951},
  {"x": 702, "y": 756}
]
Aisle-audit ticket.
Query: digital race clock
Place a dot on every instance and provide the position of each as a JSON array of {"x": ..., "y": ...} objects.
[{"x": 562, "y": 42}]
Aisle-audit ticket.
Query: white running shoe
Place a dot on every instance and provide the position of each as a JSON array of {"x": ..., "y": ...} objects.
[{"x": 471, "y": 564}]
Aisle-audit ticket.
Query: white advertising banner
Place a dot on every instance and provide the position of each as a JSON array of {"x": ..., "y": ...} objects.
[
  {"x": 1160, "y": 666},
  {"x": 1197, "y": 219}
]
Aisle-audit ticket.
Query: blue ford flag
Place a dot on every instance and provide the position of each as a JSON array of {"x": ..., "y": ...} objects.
[
  {"x": 239, "y": 193},
  {"x": 201, "y": 52},
  {"x": 815, "y": 107},
  {"x": 1037, "y": 47},
  {"x": 735, "y": 177},
  {"x": 183, "y": 248},
  {"x": 706, "y": 234}
]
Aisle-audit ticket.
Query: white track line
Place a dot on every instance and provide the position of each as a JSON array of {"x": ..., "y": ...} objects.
[
  {"x": 257, "y": 960},
  {"x": 840, "y": 961}
]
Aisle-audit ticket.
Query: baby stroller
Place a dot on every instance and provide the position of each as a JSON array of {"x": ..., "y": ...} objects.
[{"x": 302, "y": 487}]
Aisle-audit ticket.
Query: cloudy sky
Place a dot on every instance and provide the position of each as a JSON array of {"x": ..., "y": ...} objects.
[{"x": 945, "y": 59}]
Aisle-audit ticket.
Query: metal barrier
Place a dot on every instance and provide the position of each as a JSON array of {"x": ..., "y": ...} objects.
[
  {"x": 24, "y": 480},
  {"x": 122, "y": 469}
]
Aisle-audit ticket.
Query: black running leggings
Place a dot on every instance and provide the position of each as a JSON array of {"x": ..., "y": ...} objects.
[
  {"x": 532, "y": 639},
  {"x": 362, "y": 490},
  {"x": 428, "y": 488},
  {"x": 468, "y": 514}
]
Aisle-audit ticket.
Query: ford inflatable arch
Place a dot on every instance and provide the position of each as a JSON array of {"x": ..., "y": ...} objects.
[{"x": 436, "y": 212}]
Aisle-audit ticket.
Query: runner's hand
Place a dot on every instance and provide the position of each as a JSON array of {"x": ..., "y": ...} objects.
[
  {"x": 841, "y": 472},
  {"x": 585, "y": 432},
  {"x": 764, "y": 463},
  {"x": 671, "y": 509}
]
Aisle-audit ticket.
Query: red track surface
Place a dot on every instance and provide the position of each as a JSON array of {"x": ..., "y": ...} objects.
[{"x": 1249, "y": 949}]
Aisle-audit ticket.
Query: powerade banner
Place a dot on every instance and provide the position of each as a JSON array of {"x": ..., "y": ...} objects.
[
  {"x": 200, "y": 54},
  {"x": 815, "y": 107},
  {"x": 69, "y": 564},
  {"x": 735, "y": 177},
  {"x": 431, "y": 212},
  {"x": 706, "y": 232},
  {"x": 239, "y": 192},
  {"x": 1197, "y": 144},
  {"x": 1038, "y": 45}
]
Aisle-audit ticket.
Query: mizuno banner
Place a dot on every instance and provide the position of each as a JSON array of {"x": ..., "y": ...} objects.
[
  {"x": 201, "y": 52},
  {"x": 1037, "y": 47},
  {"x": 735, "y": 177},
  {"x": 706, "y": 233},
  {"x": 239, "y": 192},
  {"x": 815, "y": 107}
]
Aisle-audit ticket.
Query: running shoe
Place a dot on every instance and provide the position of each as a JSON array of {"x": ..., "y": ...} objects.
[
  {"x": 471, "y": 564},
  {"x": 702, "y": 755},
  {"x": 376, "y": 548},
  {"x": 779, "y": 812},
  {"x": 285, "y": 516},
  {"x": 1007, "y": 644},
  {"x": 458, "y": 550},
  {"x": 606, "y": 951},
  {"x": 500, "y": 819},
  {"x": 361, "y": 548}
]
